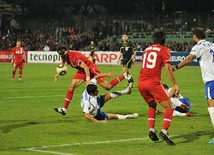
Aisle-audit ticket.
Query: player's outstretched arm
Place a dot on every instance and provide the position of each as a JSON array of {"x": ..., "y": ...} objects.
[
  {"x": 172, "y": 92},
  {"x": 171, "y": 77},
  {"x": 187, "y": 60},
  {"x": 119, "y": 58},
  {"x": 87, "y": 72}
]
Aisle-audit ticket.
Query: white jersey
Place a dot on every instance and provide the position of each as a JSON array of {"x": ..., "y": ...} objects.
[
  {"x": 179, "y": 95},
  {"x": 175, "y": 100},
  {"x": 204, "y": 52},
  {"x": 89, "y": 103}
]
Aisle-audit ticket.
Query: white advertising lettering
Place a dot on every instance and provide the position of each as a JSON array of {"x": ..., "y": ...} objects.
[{"x": 178, "y": 58}]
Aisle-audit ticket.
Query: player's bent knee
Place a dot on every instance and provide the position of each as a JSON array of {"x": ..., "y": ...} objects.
[{"x": 107, "y": 88}]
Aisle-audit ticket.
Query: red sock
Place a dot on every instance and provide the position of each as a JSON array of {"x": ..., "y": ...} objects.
[
  {"x": 114, "y": 82},
  {"x": 20, "y": 73},
  {"x": 13, "y": 73},
  {"x": 151, "y": 117},
  {"x": 167, "y": 118},
  {"x": 68, "y": 97}
]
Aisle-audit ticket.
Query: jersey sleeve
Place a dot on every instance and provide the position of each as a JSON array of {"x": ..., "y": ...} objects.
[
  {"x": 195, "y": 51},
  {"x": 86, "y": 107},
  {"x": 166, "y": 55},
  {"x": 93, "y": 81},
  {"x": 78, "y": 62}
]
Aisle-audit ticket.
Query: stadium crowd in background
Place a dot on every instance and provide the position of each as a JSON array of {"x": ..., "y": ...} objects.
[
  {"x": 36, "y": 41},
  {"x": 92, "y": 52}
]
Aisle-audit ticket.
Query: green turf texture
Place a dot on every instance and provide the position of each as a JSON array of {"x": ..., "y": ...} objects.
[{"x": 29, "y": 125}]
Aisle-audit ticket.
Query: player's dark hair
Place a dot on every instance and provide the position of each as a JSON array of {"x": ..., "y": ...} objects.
[
  {"x": 165, "y": 86},
  {"x": 61, "y": 49},
  {"x": 159, "y": 37},
  {"x": 199, "y": 32},
  {"x": 91, "y": 89}
]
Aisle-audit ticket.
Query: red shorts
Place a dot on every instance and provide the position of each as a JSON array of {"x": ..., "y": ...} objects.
[
  {"x": 152, "y": 90},
  {"x": 19, "y": 64},
  {"x": 93, "y": 71}
]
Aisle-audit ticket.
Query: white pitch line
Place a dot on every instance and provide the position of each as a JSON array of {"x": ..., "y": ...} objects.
[
  {"x": 38, "y": 149},
  {"x": 20, "y": 97},
  {"x": 51, "y": 152}
]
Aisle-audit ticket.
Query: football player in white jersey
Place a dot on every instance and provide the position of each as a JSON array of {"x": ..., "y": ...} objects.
[
  {"x": 204, "y": 52},
  {"x": 180, "y": 103},
  {"x": 92, "y": 103}
]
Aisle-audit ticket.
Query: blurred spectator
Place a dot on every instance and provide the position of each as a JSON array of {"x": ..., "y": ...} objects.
[
  {"x": 46, "y": 47},
  {"x": 105, "y": 37}
]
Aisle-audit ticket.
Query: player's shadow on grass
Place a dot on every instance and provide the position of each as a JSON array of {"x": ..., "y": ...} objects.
[
  {"x": 24, "y": 123},
  {"x": 8, "y": 128},
  {"x": 190, "y": 137}
]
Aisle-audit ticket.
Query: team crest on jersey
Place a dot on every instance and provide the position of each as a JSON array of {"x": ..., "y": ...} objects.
[
  {"x": 19, "y": 51},
  {"x": 126, "y": 48}
]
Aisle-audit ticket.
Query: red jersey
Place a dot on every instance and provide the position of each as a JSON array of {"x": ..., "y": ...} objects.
[
  {"x": 18, "y": 54},
  {"x": 153, "y": 59},
  {"x": 74, "y": 59}
]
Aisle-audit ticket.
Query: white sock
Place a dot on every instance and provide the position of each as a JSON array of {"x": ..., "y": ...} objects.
[
  {"x": 119, "y": 93},
  {"x": 130, "y": 84},
  {"x": 121, "y": 116},
  {"x": 135, "y": 115},
  {"x": 211, "y": 112},
  {"x": 152, "y": 129},
  {"x": 176, "y": 113},
  {"x": 164, "y": 131}
]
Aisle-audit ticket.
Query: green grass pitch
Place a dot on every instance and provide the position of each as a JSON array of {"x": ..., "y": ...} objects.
[{"x": 29, "y": 125}]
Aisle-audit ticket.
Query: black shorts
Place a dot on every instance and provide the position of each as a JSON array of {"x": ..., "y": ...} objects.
[{"x": 127, "y": 63}]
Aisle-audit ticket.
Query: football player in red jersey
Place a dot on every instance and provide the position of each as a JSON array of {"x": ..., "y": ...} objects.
[
  {"x": 18, "y": 59},
  {"x": 86, "y": 70},
  {"x": 154, "y": 58}
]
